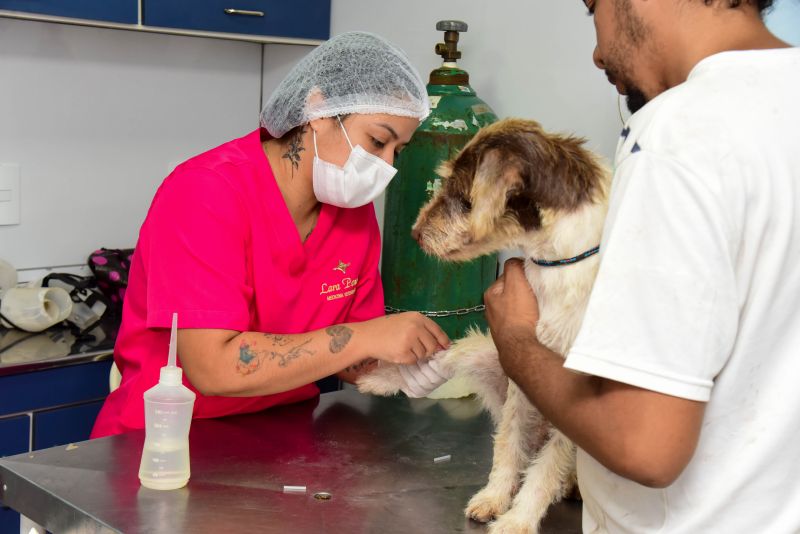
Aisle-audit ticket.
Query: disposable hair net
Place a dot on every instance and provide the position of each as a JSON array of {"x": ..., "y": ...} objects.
[{"x": 354, "y": 72}]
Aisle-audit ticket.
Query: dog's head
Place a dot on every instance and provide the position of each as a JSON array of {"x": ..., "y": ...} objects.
[{"x": 507, "y": 185}]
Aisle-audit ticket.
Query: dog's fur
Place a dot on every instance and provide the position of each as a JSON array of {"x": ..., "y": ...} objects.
[{"x": 516, "y": 186}]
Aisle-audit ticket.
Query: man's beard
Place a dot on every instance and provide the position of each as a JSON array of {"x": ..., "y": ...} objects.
[
  {"x": 635, "y": 100},
  {"x": 636, "y": 33}
]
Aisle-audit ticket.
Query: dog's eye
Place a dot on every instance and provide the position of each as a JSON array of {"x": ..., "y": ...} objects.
[{"x": 466, "y": 204}]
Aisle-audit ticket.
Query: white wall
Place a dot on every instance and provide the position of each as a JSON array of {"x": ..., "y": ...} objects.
[{"x": 96, "y": 118}]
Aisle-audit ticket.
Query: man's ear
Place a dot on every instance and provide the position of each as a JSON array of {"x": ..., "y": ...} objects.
[{"x": 495, "y": 176}]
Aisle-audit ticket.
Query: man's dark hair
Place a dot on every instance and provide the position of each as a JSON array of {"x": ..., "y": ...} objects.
[{"x": 762, "y": 4}]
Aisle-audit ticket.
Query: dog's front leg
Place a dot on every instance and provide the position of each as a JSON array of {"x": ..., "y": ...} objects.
[
  {"x": 512, "y": 449},
  {"x": 544, "y": 483},
  {"x": 474, "y": 357},
  {"x": 384, "y": 380}
]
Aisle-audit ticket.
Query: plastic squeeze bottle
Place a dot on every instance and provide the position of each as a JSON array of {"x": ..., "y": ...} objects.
[{"x": 167, "y": 415}]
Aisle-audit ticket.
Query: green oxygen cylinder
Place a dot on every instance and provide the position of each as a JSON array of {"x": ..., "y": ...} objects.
[{"x": 450, "y": 293}]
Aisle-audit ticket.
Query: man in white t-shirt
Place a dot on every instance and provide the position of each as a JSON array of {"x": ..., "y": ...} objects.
[{"x": 686, "y": 403}]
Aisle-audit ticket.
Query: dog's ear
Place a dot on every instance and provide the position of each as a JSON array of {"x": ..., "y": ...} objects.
[
  {"x": 558, "y": 172},
  {"x": 496, "y": 177}
]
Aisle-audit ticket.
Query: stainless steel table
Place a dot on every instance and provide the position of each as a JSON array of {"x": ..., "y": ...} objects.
[
  {"x": 24, "y": 352},
  {"x": 375, "y": 456}
]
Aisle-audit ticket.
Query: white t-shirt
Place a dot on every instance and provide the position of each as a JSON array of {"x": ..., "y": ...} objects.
[{"x": 698, "y": 296}]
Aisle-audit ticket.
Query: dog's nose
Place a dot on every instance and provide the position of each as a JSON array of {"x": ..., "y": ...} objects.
[{"x": 415, "y": 234}]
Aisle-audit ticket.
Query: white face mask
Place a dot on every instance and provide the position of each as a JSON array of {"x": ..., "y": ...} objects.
[{"x": 362, "y": 179}]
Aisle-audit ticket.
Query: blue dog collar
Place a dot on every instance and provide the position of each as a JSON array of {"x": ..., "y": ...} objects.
[{"x": 567, "y": 261}]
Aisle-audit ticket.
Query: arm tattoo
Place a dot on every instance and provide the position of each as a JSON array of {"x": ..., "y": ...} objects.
[
  {"x": 278, "y": 340},
  {"x": 340, "y": 335},
  {"x": 293, "y": 151},
  {"x": 249, "y": 361},
  {"x": 294, "y": 352},
  {"x": 250, "y": 358}
]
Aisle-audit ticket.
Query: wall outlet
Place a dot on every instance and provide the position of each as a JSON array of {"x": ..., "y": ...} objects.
[{"x": 9, "y": 193}]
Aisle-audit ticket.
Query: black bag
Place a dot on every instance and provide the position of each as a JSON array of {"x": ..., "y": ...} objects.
[
  {"x": 88, "y": 303},
  {"x": 110, "y": 267}
]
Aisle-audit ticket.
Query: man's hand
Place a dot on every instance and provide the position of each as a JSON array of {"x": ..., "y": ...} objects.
[{"x": 512, "y": 312}]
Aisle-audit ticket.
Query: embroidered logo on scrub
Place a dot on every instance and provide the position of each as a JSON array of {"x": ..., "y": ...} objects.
[
  {"x": 342, "y": 267},
  {"x": 343, "y": 288}
]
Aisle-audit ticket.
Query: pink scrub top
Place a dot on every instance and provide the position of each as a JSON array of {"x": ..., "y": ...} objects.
[{"x": 219, "y": 247}]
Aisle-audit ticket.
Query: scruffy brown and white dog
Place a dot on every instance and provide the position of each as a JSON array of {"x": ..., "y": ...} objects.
[{"x": 516, "y": 186}]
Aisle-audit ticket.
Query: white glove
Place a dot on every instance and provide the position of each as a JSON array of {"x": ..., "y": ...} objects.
[{"x": 422, "y": 377}]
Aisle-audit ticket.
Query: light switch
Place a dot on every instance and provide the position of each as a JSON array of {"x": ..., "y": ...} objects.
[{"x": 9, "y": 193}]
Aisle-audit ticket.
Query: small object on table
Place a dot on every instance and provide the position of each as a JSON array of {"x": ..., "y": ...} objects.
[{"x": 442, "y": 459}]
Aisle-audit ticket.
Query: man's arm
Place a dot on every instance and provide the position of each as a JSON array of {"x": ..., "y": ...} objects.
[{"x": 639, "y": 434}]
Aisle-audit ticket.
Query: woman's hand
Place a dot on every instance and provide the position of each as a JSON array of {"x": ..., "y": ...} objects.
[{"x": 402, "y": 338}]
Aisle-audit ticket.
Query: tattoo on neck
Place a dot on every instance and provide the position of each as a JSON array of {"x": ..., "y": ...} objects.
[
  {"x": 250, "y": 358},
  {"x": 340, "y": 335},
  {"x": 293, "y": 152}
]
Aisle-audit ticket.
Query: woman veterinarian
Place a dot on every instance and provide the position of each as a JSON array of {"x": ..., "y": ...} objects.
[{"x": 267, "y": 247}]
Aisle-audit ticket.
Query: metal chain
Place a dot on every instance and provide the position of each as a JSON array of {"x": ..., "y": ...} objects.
[{"x": 439, "y": 313}]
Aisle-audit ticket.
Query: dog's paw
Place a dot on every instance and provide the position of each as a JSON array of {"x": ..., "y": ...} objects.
[
  {"x": 514, "y": 523},
  {"x": 385, "y": 380},
  {"x": 487, "y": 504}
]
